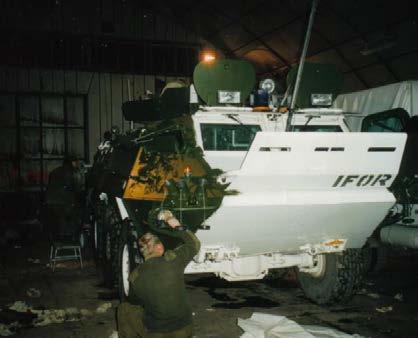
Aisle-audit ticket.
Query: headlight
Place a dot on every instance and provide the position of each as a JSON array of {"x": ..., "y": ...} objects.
[
  {"x": 225, "y": 96},
  {"x": 321, "y": 99}
]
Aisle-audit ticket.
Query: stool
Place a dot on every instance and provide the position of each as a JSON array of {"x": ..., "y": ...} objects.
[{"x": 64, "y": 248}]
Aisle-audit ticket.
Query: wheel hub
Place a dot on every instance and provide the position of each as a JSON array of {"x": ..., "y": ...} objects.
[
  {"x": 319, "y": 268},
  {"x": 125, "y": 266}
]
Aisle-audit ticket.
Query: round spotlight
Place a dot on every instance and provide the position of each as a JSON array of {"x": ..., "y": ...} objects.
[{"x": 268, "y": 85}]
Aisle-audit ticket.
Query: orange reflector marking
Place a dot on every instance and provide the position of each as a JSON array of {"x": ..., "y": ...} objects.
[
  {"x": 261, "y": 109},
  {"x": 335, "y": 242}
]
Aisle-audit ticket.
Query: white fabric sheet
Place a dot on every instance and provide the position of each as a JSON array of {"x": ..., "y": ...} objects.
[
  {"x": 398, "y": 95},
  {"x": 262, "y": 325}
]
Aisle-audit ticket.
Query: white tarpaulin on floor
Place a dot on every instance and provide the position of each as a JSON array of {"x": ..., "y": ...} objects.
[
  {"x": 398, "y": 95},
  {"x": 262, "y": 325}
]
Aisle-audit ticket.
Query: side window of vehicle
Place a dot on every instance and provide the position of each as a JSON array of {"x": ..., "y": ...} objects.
[
  {"x": 228, "y": 137},
  {"x": 317, "y": 128},
  {"x": 392, "y": 124},
  {"x": 390, "y": 121}
]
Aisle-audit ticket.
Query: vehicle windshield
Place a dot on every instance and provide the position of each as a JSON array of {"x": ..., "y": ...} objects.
[{"x": 228, "y": 137}]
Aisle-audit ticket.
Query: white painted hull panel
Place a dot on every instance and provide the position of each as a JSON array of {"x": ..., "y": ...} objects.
[
  {"x": 291, "y": 194},
  {"x": 260, "y": 228}
]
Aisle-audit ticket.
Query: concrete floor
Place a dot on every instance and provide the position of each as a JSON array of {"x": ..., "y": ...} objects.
[{"x": 216, "y": 303}]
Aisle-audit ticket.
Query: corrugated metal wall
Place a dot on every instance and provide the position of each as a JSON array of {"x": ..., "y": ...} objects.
[
  {"x": 106, "y": 92},
  {"x": 120, "y": 19}
]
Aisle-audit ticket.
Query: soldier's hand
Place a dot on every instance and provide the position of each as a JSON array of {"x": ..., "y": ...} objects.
[
  {"x": 168, "y": 218},
  {"x": 173, "y": 222}
]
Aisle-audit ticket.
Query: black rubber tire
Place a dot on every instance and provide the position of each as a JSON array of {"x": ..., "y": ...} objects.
[
  {"x": 109, "y": 252},
  {"x": 375, "y": 259},
  {"x": 123, "y": 242},
  {"x": 341, "y": 279},
  {"x": 276, "y": 274},
  {"x": 95, "y": 236},
  {"x": 98, "y": 231},
  {"x": 105, "y": 263},
  {"x": 126, "y": 240},
  {"x": 380, "y": 258},
  {"x": 367, "y": 259}
]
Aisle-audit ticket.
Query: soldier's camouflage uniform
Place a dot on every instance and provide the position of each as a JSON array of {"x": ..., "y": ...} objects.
[{"x": 158, "y": 306}]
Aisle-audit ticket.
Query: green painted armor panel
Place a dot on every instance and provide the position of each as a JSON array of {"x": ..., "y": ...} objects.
[
  {"x": 316, "y": 79},
  {"x": 224, "y": 75}
]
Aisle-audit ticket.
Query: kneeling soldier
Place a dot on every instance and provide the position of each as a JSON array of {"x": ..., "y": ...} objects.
[{"x": 158, "y": 305}]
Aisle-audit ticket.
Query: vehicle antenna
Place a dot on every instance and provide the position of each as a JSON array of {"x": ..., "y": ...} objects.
[
  {"x": 131, "y": 124},
  {"x": 302, "y": 61}
]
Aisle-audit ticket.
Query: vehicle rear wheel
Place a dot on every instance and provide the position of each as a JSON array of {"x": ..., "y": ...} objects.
[
  {"x": 96, "y": 236},
  {"x": 276, "y": 274},
  {"x": 335, "y": 277},
  {"x": 111, "y": 234},
  {"x": 99, "y": 221},
  {"x": 106, "y": 265},
  {"x": 375, "y": 259}
]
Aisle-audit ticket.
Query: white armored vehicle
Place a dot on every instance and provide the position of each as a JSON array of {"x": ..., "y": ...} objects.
[{"x": 263, "y": 188}]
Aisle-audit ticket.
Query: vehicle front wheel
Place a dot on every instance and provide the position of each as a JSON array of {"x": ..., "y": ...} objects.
[
  {"x": 128, "y": 259},
  {"x": 335, "y": 277}
]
